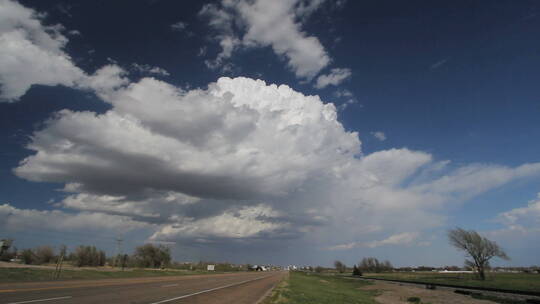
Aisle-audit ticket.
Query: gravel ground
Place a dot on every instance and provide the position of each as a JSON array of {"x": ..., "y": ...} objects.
[{"x": 395, "y": 293}]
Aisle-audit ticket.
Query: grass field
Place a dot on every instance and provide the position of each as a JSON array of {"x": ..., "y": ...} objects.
[
  {"x": 513, "y": 281},
  {"x": 36, "y": 274},
  {"x": 319, "y": 289}
]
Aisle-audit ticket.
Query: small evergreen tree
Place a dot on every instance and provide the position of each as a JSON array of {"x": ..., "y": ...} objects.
[{"x": 356, "y": 271}]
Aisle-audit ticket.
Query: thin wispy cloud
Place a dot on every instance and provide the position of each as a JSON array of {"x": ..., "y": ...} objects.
[
  {"x": 405, "y": 238},
  {"x": 179, "y": 26},
  {"x": 335, "y": 77},
  {"x": 439, "y": 64}
]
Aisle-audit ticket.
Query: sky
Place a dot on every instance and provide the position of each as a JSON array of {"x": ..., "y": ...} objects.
[{"x": 284, "y": 132}]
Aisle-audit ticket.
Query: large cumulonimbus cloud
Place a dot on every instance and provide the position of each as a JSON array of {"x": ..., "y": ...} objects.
[
  {"x": 161, "y": 149},
  {"x": 242, "y": 159},
  {"x": 240, "y": 139}
]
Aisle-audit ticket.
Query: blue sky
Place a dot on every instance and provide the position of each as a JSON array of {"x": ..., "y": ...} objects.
[{"x": 116, "y": 122}]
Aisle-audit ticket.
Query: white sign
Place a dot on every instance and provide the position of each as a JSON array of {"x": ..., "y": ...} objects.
[{"x": 210, "y": 267}]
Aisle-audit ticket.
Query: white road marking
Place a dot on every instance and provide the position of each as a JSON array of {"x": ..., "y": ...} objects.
[
  {"x": 170, "y": 285},
  {"x": 42, "y": 300},
  {"x": 208, "y": 290}
]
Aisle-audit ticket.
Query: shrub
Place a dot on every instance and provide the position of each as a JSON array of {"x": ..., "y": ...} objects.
[{"x": 413, "y": 299}]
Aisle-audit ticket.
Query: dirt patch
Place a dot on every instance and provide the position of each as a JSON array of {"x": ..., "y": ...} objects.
[
  {"x": 397, "y": 294},
  {"x": 323, "y": 281},
  {"x": 275, "y": 295}
]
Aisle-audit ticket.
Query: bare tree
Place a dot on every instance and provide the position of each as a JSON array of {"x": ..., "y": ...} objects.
[
  {"x": 477, "y": 247},
  {"x": 340, "y": 267},
  {"x": 370, "y": 264},
  {"x": 88, "y": 256},
  {"x": 387, "y": 266},
  {"x": 43, "y": 254}
]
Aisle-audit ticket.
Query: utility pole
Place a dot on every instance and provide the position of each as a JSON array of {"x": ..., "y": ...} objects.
[
  {"x": 124, "y": 261},
  {"x": 118, "y": 251}
]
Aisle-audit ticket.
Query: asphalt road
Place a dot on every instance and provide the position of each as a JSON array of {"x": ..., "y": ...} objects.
[{"x": 239, "y": 288}]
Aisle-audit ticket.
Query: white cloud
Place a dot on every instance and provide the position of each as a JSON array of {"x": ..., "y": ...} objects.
[
  {"x": 391, "y": 167},
  {"x": 336, "y": 76},
  {"x": 343, "y": 93},
  {"x": 14, "y": 219},
  {"x": 277, "y": 24},
  {"x": 243, "y": 223},
  {"x": 379, "y": 135},
  {"x": 179, "y": 26},
  {"x": 405, "y": 238},
  {"x": 145, "y": 68},
  {"x": 350, "y": 100},
  {"x": 520, "y": 227},
  {"x": 105, "y": 80},
  {"x": 230, "y": 135},
  {"x": 31, "y": 53},
  {"x": 346, "y": 104},
  {"x": 528, "y": 216},
  {"x": 470, "y": 180}
]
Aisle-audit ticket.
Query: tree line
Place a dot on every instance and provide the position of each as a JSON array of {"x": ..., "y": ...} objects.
[
  {"x": 369, "y": 264},
  {"x": 145, "y": 256}
]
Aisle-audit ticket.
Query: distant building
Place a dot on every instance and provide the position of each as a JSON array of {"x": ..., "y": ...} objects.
[
  {"x": 456, "y": 271},
  {"x": 291, "y": 267},
  {"x": 258, "y": 268}
]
